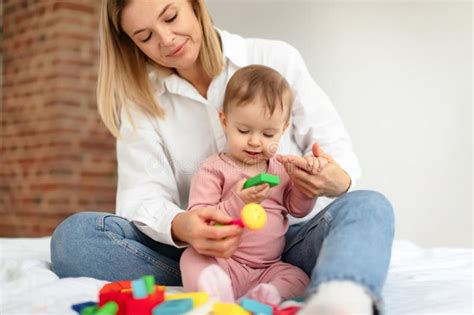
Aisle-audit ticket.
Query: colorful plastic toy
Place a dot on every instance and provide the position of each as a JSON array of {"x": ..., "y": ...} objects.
[
  {"x": 227, "y": 309},
  {"x": 172, "y": 307},
  {"x": 109, "y": 308},
  {"x": 198, "y": 298},
  {"x": 292, "y": 310},
  {"x": 130, "y": 298},
  {"x": 89, "y": 310},
  {"x": 252, "y": 216},
  {"x": 127, "y": 298},
  {"x": 256, "y": 307},
  {"x": 262, "y": 178},
  {"x": 79, "y": 307}
]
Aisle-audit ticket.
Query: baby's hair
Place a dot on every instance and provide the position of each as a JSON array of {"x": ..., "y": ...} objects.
[{"x": 257, "y": 81}]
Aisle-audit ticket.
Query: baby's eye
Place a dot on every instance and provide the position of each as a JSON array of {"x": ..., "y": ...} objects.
[
  {"x": 268, "y": 135},
  {"x": 243, "y": 131}
]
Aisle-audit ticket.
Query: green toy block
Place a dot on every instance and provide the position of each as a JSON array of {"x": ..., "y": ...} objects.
[
  {"x": 89, "y": 310},
  {"x": 109, "y": 308},
  {"x": 150, "y": 283},
  {"x": 262, "y": 178}
]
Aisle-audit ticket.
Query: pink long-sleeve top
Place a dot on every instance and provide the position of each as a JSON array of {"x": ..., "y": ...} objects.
[{"x": 214, "y": 186}]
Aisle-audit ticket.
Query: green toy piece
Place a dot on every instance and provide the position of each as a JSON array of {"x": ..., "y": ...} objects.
[
  {"x": 89, "y": 310},
  {"x": 109, "y": 308},
  {"x": 150, "y": 283},
  {"x": 262, "y": 178}
]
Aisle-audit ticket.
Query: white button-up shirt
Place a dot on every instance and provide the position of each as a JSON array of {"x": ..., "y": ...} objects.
[{"x": 156, "y": 164}]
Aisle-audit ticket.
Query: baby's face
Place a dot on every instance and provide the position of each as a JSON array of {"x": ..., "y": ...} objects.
[{"x": 252, "y": 134}]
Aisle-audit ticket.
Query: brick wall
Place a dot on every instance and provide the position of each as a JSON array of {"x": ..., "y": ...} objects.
[{"x": 56, "y": 157}]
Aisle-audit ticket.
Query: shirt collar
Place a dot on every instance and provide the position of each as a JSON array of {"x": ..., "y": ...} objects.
[{"x": 233, "y": 50}]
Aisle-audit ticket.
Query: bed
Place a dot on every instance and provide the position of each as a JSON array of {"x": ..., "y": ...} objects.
[{"x": 420, "y": 281}]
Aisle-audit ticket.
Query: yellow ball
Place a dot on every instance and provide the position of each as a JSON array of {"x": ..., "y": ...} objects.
[{"x": 254, "y": 216}]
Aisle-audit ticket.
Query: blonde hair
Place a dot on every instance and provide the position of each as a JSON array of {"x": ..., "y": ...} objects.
[
  {"x": 258, "y": 81},
  {"x": 123, "y": 68}
]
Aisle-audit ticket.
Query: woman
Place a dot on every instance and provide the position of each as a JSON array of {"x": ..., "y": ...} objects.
[{"x": 162, "y": 77}]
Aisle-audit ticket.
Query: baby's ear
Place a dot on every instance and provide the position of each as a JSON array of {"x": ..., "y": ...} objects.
[{"x": 223, "y": 119}]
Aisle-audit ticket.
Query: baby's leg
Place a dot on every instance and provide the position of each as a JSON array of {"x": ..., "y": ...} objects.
[
  {"x": 265, "y": 293},
  {"x": 288, "y": 280},
  {"x": 202, "y": 273}
]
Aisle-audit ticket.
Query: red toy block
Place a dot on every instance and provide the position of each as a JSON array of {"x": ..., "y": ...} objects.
[
  {"x": 116, "y": 286},
  {"x": 120, "y": 298},
  {"x": 287, "y": 311},
  {"x": 144, "y": 306},
  {"x": 121, "y": 293}
]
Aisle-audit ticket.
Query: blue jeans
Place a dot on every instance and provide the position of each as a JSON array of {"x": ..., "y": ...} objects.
[{"x": 350, "y": 239}]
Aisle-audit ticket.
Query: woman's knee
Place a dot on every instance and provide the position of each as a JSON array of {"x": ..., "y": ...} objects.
[
  {"x": 73, "y": 226},
  {"x": 368, "y": 204},
  {"x": 69, "y": 240}
]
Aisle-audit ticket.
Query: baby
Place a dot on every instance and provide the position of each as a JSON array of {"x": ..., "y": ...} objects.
[{"x": 256, "y": 112}]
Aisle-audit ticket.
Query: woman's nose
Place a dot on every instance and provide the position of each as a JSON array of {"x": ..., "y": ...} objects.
[{"x": 165, "y": 37}]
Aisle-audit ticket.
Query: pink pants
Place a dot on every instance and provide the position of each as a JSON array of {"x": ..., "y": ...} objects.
[{"x": 289, "y": 280}]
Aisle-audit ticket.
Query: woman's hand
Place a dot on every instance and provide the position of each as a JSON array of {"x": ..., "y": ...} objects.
[
  {"x": 255, "y": 194},
  {"x": 316, "y": 176},
  {"x": 196, "y": 227}
]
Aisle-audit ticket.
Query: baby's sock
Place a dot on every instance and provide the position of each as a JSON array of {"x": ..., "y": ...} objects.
[
  {"x": 216, "y": 283},
  {"x": 339, "y": 298},
  {"x": 265, "y": 293}
]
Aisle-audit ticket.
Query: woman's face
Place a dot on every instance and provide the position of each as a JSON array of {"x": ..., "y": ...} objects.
[{"x": 167, "y": 31}]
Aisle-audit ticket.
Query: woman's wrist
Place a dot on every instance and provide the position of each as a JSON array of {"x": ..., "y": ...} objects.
[
  {"x": 177, "y": 230},
  {"x": 347, "y": 183}
]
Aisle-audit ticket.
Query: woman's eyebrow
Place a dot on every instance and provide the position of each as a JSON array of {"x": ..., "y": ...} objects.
[{"x": 162, "y": 12}]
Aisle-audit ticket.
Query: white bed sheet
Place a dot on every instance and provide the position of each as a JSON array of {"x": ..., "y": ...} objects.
[{"x": 420, "y": 281}]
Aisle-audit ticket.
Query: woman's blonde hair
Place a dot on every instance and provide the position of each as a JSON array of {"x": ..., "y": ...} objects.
[{"x": 123, "y": 68}]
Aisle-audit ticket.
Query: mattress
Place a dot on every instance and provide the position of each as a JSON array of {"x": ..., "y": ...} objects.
[{"x": 420, "y": 280}]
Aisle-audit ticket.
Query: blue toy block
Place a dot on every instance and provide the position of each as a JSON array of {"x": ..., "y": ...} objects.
[
  {"x": 78, "y": 307},
  {"x": 139, "y": 289},
  {"x": 256, "y": 307},
  {"x": 173, "y": 307}
]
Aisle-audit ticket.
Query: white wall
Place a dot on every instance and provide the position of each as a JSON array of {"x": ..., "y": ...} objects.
[{"x": 400, "y": 75}]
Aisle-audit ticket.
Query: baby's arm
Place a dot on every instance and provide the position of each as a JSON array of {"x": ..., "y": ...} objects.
[
  {"x": 207, "y": 190},
  {"x": 296, "y": 202}
]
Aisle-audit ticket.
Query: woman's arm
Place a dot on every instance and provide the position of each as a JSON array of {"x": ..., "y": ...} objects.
[
  {"x": 315, "y": 120},
  {"x": 206, "y": 193},
  {"x": 317, "y": 175},
  {"x": 148, "y": 195}
]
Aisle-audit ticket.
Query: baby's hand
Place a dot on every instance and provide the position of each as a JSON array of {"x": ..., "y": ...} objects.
[
  {"x": 315, "y": 165},
  {"x": 255, "y": 194}
]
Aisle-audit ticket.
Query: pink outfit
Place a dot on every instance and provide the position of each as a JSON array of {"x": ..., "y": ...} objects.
[{"x": 258, "y": 258}]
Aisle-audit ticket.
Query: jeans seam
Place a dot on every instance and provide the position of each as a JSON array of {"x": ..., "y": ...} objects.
[
  {"x": 142, "y": 254},
  {"x": 100, "y": 223}
]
